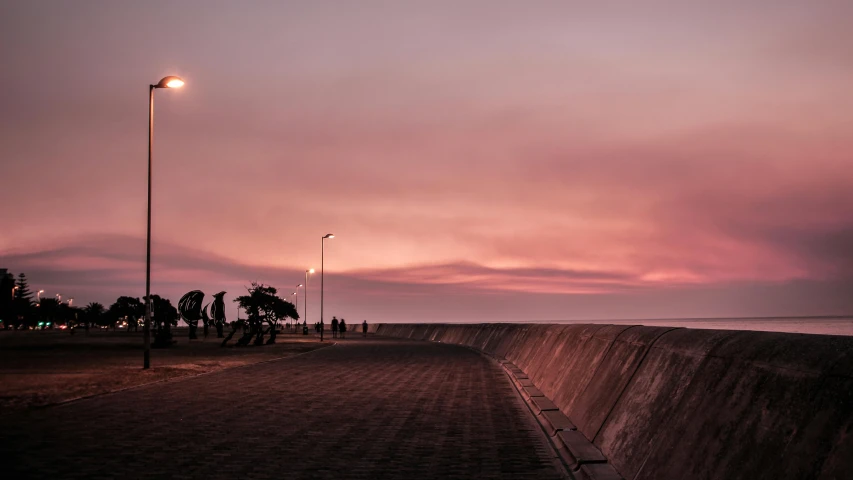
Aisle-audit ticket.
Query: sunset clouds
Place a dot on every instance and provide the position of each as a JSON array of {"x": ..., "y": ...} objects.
[{"x": 573, "y": 161}]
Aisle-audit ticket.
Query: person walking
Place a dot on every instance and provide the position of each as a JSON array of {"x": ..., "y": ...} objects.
[
  {"x": 334, "y": 327},
  {"x": 364, "y": 328},
  {"x": 343, "y": 328}
]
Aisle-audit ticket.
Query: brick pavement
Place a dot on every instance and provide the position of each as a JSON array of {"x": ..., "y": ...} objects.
[{"x": 363, "y": 409}]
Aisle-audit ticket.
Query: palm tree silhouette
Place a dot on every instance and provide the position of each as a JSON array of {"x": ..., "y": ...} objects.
[
  {"x": 93, "y": 313},
  {"x": 48, "y": 310}
]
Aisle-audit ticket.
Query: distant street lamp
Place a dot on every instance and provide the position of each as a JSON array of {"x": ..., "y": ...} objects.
[
  {"x": 290, "y": 297},
  {"x": 70, "y": 300},
  {"x": 296, "y": 306},
  {"x": 13, "y": 291},
  {"x": 165, "y": 82},
  {"x": 38, "y": 295},
  {"x": 322, "y": 268},
  {"x": 305, "y": 300},
  {"x": 59, "y": 297}
]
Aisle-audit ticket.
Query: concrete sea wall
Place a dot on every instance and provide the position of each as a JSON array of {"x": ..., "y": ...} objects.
[{"x": 675, "y": 403}]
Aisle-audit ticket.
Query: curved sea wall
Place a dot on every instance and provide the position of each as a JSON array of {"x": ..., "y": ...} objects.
[{"x": 675, "y": 403}]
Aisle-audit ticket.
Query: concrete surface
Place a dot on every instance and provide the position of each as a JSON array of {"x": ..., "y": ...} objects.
[
  {"x": 678, "y": 404},
  {"x": 363, "y": 409}
]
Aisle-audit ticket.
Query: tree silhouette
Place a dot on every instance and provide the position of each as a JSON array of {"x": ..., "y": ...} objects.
[
  {"x": 48, "y": 312},
  {"x": 8, "y": 317},
  {"x": 129, "y": 309},
  {"x": 72, "y": 315},
  {"x": 262, "y": 304},
  {"x": 23, "y": 302},
  {"x": 64, "y": 314},
  {"x": 23, "y": 293},
  {"x": 164, "y": 317},
  {"x": 93, "y": 313}
]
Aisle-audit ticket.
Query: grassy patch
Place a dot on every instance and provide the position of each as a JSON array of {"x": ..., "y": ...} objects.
[{"x": 45, "y": 367}]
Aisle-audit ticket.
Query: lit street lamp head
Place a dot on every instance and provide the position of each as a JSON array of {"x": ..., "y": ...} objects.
[
  {"x": 329, "y": 235},
  {"x": 170, "y": 82},
  {"x": 310, "y": 271}
]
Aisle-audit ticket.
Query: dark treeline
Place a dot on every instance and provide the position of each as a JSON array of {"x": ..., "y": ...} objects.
[{"x": 20, "y": 308}]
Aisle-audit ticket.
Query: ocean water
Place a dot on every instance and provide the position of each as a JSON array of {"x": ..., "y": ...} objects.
[{"x": 836, "y": 325}]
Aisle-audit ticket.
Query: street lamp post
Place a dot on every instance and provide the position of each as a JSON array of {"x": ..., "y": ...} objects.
[
  {"x": 13, "y": 291},
  {"x": 165, "y": 82},
  {"x": 305, "y": 300},
  {"x": 38, "y": 295},
  {"x": 322, "y": 267},
  {"x": 296, "y": 306},
  {"x": 293, "y": 296}
]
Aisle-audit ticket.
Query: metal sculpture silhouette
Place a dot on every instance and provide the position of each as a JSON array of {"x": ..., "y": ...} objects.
[
  {"x": 205, "y": 319},
  {"x": 262, "y": 305},
  {"x": 217, "y": 311},
  {"x": 190, "y": 308}
]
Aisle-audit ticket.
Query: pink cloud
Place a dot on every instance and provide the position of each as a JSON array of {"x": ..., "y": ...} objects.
[{"x": 572, "y": 150}]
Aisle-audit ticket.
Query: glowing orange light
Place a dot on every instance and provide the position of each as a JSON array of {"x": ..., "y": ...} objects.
[{"x": 170, "y": 82}]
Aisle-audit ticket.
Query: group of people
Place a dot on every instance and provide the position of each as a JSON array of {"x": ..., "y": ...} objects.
[{"x": 339, "y": 326}]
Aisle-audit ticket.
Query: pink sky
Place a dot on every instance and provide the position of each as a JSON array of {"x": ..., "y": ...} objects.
[{"x": 475, "y": 160}]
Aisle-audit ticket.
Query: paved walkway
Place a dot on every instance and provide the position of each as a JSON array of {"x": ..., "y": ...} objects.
[{"x": 363, "y": 409}]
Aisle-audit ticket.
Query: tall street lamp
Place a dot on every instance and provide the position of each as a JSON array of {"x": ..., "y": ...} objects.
[
  {"x": 13, "y": 291},
  {"x": 305, "y": 300},
  {"x": 38, "y": 295},
  {"x": 296, "y": 305},
  {"x": 292, "y": 296},
  {"x": 322, "y": 266},
  {"x": 165, "y": 82}
]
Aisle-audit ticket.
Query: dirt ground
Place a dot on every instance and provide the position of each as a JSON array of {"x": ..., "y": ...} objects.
[{"x": 40, "y": 368}]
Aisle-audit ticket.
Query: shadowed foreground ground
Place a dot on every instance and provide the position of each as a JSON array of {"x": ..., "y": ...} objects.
[
  {"x": 40, "y": 368},
  {"x": 375, "y": 408}
]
